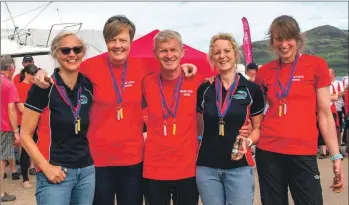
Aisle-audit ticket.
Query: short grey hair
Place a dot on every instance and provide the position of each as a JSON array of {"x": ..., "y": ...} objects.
[
  {"x": 166, "y": 35},
  {"x": 55, "y": 43},
  {"x": 6, "y": 62}
]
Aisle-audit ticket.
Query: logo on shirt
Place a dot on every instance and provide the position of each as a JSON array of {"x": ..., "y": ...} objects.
[
  {"x": 187, "y": 92},
  {"x": 297, "y": 77},
  {"x": 129, "y": 83},
  {"x": 240, "y": 95},
  {"x": 84, "y": 99}
]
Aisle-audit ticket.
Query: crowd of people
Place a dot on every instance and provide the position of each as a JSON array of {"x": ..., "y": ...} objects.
[{"x": 83, "y": 125}]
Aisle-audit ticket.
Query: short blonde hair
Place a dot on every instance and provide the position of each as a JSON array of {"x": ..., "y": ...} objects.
[
  {"x": 55, "y": 43},
  {"x": 166, "y": 35},
  {"x": 227, "y": 37}
]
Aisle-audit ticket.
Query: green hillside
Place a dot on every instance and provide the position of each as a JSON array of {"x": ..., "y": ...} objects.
[{"x": 326, "y": 41}]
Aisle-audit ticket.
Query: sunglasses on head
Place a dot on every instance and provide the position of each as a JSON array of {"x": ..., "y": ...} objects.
[
  {"x": 67, "y": 50},
  {"x": 122, "y": 19}
]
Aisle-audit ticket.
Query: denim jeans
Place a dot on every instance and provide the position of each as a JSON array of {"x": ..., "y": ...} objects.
[
  {"x": 77, "y": 188},
  {"x": 225, "y": 186}
]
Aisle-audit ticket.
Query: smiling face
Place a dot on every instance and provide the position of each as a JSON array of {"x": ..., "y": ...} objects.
[
  {"x": 285, "y": 48},
  {"x": 222, "y": 55},
  {"x": 119, "y": 47},
  {"x": 70, "y": 53},
  {"x": 169, "y": 53}
]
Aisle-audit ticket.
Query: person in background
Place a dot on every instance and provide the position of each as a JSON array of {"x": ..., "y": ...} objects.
[
  {"x": 9, "y": 135},
  {"x": 224, "y": 107},
  {"x": 115, "y": 134},
  {"x": 23, "y": 87},
  {"x": 297, "y": 87},
  {"x": 27, "y": 59},
  {"x": 66, "y": 172},
  {"x": 346, "y": 125},
  {"x": 251, "y": 71},
  {"x": 338, "y": 85}
]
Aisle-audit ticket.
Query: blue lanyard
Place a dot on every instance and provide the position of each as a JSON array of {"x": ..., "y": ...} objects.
[
  {"x": 119, "y": 92},
  {"x": 284, "y": 91},
  {"x": 166, "y": 109}
]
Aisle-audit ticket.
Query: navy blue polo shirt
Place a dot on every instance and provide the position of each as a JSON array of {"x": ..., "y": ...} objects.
[{"x": 57, "y": 139}]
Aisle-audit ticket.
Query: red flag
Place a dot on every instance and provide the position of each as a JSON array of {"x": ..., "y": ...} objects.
[{"x": 247, "y": 46}]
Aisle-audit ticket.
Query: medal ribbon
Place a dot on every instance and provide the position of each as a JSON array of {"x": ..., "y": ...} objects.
[
  {"x": 223, "y": 108},
  {"x": 166, "y": 109},
  {"x": 63, "y": 93},
  {"x": 284, "y": 90},
  {"x": 119, "y": 92}
]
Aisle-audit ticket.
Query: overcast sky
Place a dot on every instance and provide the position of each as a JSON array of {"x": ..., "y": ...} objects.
[{"x": 196, "y": 21}]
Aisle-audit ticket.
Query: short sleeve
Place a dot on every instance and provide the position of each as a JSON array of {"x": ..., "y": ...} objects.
[
  {"x": 322, "y": 76},
  {"x": 259, "y": 79},
  {"x": 200, "y": 96},
  {"x": 258, "y": 104},
  {"x": 37, "y": 98},
  {"x": 12, "y": 94}
]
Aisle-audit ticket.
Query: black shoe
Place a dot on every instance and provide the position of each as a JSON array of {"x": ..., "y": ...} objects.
[
  {"x": 7, "y": 197},
  {"x": 322, "y": 156},
  {"x": 5, "y": 176},
  {"x": 15, "y": 176}
]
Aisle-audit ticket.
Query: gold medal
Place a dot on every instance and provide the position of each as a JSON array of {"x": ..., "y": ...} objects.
[{"x": 174, "y": 127}]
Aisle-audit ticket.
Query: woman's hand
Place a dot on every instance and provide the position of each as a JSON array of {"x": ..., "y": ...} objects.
[
  {"x": 246, "y": 129},
  {"x": 54, "y": 174},
  {"x": 241, "y": 145},
  {"x": 210, "y": 79},
  {"x": 338, "y": 180},
  {"x": 189, "y": 70},
  {"x": 42, "y": 79}
]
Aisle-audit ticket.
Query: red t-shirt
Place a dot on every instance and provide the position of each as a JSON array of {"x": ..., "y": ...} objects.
[
  {"x": 170, "y": 157},
  {"x": 22, "y": 89},
  {"x": 296, "y": 132},
  {"x": 113, "y": 142},
  {"x": 8, "y": 95},
  {"x": 16, "y": 79},
  {"x": 332, "y": 105}
]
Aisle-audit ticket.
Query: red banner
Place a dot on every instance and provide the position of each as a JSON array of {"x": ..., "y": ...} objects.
[{"x": 247, "y": 46}]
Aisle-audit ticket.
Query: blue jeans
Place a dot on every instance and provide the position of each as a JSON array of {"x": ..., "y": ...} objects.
[
  {"x": 225, "y": 186},
  {"x": 77, "y": 188}
]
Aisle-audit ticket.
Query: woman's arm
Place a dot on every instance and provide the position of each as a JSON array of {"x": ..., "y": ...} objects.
[
  {"x": 29, "y": 123},
  {"x": 256, "y": 127},
  {"x": 328, "y": 129}
]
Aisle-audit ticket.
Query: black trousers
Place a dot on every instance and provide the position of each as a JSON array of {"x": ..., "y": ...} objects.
[
  {"x": 277, "y": 172},
  {"x": 160, "y": 192},
  {"x": 24, "y": 161},
  {"x": 123, "y": 181}
]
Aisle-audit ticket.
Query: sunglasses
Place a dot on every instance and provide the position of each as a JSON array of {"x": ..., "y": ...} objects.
[
  {"x": 28, "y": 61},
  {"x": 121, "y": 18},
  {"x": 67, "y": 50}
]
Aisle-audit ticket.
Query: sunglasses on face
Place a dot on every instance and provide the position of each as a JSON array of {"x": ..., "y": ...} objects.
[
  {"x": 28, "y": 61},
  {"x": 67, "y": 50}
]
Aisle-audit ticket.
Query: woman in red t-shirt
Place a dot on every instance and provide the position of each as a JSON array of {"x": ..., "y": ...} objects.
[
  {"x": 296, "y": 87},
  {"x": 28, "y": 73}
]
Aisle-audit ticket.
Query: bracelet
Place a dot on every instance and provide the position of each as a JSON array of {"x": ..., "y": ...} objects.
[
  {"x": 336, "y": 156},
  {"x": 250, "y": 142},
  {"x": 16, "y": 130}
]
